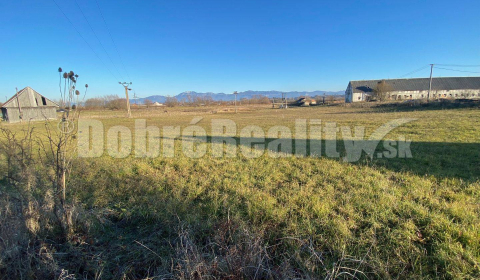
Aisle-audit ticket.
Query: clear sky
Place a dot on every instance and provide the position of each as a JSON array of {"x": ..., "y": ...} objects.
[{"x": 173, "y": 46}]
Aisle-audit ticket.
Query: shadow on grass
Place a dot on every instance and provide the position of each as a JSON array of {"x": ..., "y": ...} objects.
[
  {"x": 417, "y": 105},
  {"x": 439, "y": 159},
  {"x": 411, "y": 106},
  {"x": 148, "y": 215}
]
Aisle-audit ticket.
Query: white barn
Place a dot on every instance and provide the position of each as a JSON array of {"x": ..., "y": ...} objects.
[{"x": 405, "y": 89}]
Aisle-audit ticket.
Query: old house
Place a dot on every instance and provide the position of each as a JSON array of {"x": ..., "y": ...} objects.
[
  {"x": 405, "y": 89},
  {"x": 28, "y": 105}
]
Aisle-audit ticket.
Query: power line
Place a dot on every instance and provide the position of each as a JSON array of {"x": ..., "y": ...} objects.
[
  {"x": 458, "y": 70},
  {"x": 457, "y": 65},
  {"x": 98, "y": 39},
  {"x": 86, "y": 42},
  {"x": 114, "y": 44},
  {"x": 415, "y": 71}
]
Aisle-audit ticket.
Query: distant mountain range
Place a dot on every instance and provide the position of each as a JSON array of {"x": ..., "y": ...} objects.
[{"x": 191, "y": 95}]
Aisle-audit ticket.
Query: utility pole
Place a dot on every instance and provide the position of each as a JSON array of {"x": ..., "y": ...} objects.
[
  {"x": 235, "y": 93},
  {"x": 125, "y": 85},
  {"x": 430, "y": 87},
  {"x": 19, "y": 106}
]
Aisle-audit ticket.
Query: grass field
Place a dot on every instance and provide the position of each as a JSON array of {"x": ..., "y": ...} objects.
[{"x": 260, "y": 218}]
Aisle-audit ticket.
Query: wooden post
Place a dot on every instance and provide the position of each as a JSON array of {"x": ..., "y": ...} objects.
[
  {"x": 125, "y": 85},
  {"x": 235, "y": 93},
  {"x": 430, "y": 87},
  {"x": 129, "y": 114},
  {"x": 20, "y": 115}
]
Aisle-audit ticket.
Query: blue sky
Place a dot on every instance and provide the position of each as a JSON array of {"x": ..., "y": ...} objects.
[{"x": 221, "y": 46}]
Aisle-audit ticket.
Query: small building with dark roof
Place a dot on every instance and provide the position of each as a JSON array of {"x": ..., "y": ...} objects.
[
  {"x": 304, "y": 101},
  {"x": 405, "y": 89},
  {"x": 29, "y": 105}
]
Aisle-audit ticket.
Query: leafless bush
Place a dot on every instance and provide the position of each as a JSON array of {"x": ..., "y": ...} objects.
[
  {"x": 94, "y": 103},
  {"x": 171, "y": 102},
  {"x": 116, "y": 104},
  {"x": 17, "y": 149},
  {"x": 22, "y": 218},
  {"x": 148, "y": 102}
]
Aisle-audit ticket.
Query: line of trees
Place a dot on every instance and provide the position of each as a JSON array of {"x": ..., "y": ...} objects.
[
  {"x": 114, "y": 102},
  {"x": 256, "y": 99},
  {"x": 208, "y": 101}
]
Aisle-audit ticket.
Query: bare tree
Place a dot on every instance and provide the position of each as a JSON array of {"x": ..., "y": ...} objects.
[
  {"x": 330, "y": 99},
  {"x": 382, "y": 91},
  {"x": 171, "y": 102},
  {"x": 148, "y": 102},
  {"x": 94, "y": 103},
  {"x": 117, "y": 104}
]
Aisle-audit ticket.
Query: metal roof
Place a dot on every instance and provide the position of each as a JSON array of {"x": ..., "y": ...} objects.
[
  {"x": 28, "y": 98},
  {"x": 447, "y": 83}
]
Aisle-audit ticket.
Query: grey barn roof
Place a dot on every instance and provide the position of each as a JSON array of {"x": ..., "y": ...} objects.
[
  {"x": 28, "y": 98},
  {"x": 448, "y": 83}
]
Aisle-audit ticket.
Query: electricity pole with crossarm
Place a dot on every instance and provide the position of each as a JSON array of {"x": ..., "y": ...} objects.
[{"x": 125, "y": 85}]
